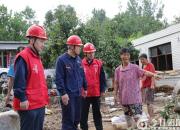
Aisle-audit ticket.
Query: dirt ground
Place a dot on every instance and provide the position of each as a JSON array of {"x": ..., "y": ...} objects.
[{"x": 53, "y": 121}]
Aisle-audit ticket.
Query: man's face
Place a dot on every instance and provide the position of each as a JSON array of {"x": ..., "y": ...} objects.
[
  {"x": 39, "y": 44},
  {"x": 77, "y": 49},
  {"x": 90, "y": 55}
]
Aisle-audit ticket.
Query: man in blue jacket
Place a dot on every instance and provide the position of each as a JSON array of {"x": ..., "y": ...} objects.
[{"x": 70, "y": 79}]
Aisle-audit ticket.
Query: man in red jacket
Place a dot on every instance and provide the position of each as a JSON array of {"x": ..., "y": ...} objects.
[
  {"x": 96, "y": 85},
  {"x": 30, "y": 89},
  {"x": 148, "y": 84}
]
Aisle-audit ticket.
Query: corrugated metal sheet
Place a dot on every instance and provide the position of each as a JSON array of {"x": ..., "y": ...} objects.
[
  {"x": 10, "y": 46},
  {"x": 13, "y": 42}
]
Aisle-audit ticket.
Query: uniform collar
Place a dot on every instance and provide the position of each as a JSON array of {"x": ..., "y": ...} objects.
[
  {"x": 70, "y": 57},
  {"x": 32, "y": 52},
  {"x": 87, "y": 63},
  {"x": 90, "y": 61}
]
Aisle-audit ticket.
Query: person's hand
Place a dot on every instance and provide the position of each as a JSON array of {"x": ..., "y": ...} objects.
[
  {"x": 65, "y": 99},
  {"x": 157, "y": 77},
  {"x": 85, "y": 93},
  {"x": 102, "y": 94},
  {"x": 53, "y": 92},
  {"x": 24, "y": 105},
  {"x": 152, "y": 86}
]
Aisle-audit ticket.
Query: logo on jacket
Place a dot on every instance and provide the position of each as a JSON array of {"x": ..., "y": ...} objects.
[
  {"x": 68, "y": 67},
  {"x": 35, "y": 68},
  {"x": 78, "y": 61}
]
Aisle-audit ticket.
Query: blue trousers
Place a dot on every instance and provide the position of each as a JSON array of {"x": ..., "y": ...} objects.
[
  {"x": 32, "y": 119},
  {"x": 71, "y": 113}
]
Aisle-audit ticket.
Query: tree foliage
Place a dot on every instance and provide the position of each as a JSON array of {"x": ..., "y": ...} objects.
[
  {"x": 60, "y": 24},
  {"x": 13, "y": 25},
  {"x": 108, "y": 35},
  {"x": 176, "y": 20}
]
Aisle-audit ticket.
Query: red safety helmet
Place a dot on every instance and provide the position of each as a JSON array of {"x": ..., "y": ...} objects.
[
  {"x": 74, "y": 40},
  {"x": 89, "y": 47},
  {"x": 36, "y": 31}
]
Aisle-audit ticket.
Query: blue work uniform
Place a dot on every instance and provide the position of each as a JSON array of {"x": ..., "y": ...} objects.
[{"x": 70, "y": 79}]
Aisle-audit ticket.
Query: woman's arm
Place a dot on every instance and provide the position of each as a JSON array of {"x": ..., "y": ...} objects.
[
  {"x": 152, "y": 82},
  {"x": 150, "y": 74}
]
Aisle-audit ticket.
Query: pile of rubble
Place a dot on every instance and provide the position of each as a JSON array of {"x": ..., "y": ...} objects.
[{"x": 164, "y": 89}]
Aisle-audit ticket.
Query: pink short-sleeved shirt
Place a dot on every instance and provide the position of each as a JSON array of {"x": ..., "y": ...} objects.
[{"x": 128, "y": 80}]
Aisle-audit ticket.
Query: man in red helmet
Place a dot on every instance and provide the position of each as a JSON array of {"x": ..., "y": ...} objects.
[
  {"x": 30, "y": 90},
  {"x": 69, "y": 80},
  {"x": 96, "y": 85}
]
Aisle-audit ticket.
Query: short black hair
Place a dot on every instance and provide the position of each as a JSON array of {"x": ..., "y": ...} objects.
[
  {"x": 124, "y": 50},
  {"x": 143, "y": 55}
]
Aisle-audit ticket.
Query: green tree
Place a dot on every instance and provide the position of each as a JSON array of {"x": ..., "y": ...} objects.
[
  {"x": 108, "y": 35},
  {"x": 17, "y": 28},
  {"x": 4, "y": 19},
  {"x": 176, "y": 20},
  {"x": 141, "y": 16},
  {"x": 100, "y": 30},
  {"x": 60, "y": 24},
  {"x": 29, "y": 16},
  {"x": 13, "y": 25}
]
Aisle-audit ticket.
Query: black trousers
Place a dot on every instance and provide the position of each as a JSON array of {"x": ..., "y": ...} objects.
[{"x": 95, "y": 102}]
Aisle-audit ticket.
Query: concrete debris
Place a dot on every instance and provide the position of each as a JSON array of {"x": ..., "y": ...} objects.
[
  {"x": 119, "y": 122},
  {"x": 177, "y": 88},
  {"x": 9, "y": 120},
  {"x": 48, "y": 111},
  {"x": 177, "y": 108},
  {"x": 113, "y": 109},
  {"x": 109, "y": 101},
  {"x": 159, "y": 94}
]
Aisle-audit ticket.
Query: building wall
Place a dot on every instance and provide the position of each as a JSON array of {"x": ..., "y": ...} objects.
[
  {"x": 8, "y": 51},
  {"x": 175, "y": 46},
  {"x": 176, "y": 51},
  {"x": 6, "y": 58}
]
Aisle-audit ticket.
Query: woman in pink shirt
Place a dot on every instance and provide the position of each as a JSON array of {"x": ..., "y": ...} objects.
[{"x": 127, "y": 87}]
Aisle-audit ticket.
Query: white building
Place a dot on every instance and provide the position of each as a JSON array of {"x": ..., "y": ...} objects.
[{"x": 162, "y": 48}]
